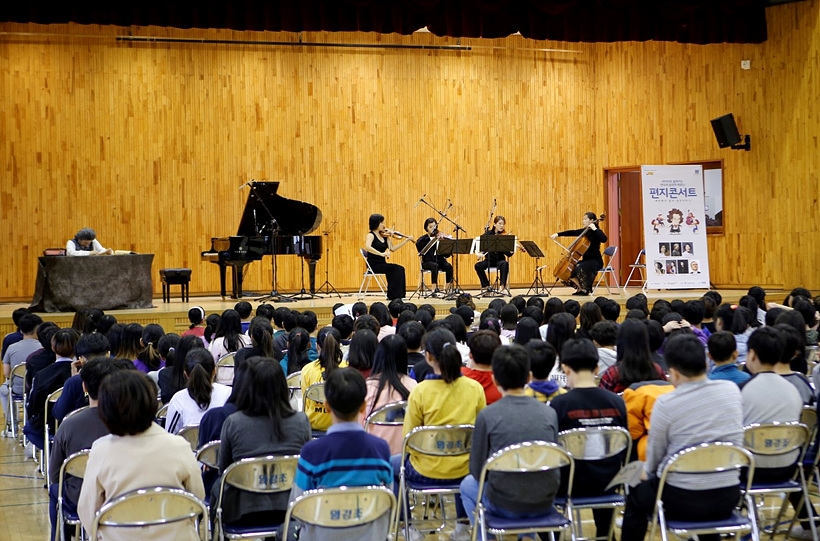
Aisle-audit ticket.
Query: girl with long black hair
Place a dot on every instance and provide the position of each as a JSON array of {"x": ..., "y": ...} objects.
[
  {"x": 388, "y": 383},
  {"x": 200, "y": 394},
  {"x": 229, "y": 337}
]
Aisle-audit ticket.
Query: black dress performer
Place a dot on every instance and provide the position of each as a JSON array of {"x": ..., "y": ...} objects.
[
  {"x": 431, "y": 260},
  {"x": 585, "y": 272},
  {"x": 494, "y": 259},
  {"x": 378, "y": 245}
]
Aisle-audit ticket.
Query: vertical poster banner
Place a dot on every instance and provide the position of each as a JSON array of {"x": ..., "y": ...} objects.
[{"x": 674, "y": 227}]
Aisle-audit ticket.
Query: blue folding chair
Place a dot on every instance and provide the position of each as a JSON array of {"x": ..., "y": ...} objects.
[
  {"x": 73, "y": 465},
  {"x": 528, "y": 457},
  {"x": 706, "y": 458},
  {"x": 259, "y": 475},
  {"x": 595, "y": 443},
  {"x": 773, "y": 441},
  {"x": 434, "y": 441}
]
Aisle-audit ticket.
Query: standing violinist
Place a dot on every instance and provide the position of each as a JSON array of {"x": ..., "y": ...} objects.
[
  {"x": 591, "y": 262},
  {"x": 379, "y": 246},
  {"x": 494, "y": 259},
  {"x": 431, "y": 260}
]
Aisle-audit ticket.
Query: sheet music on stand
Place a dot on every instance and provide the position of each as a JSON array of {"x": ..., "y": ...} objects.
[
  {"x": 538, "y": 287},
  {"x": 448, "y": 247},
  {"x": 497, "y": 243}
]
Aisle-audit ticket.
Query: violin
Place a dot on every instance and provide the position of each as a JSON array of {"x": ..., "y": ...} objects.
[
  {"x": 387, "y": 233},
  {"x": 563, "y": 270}
]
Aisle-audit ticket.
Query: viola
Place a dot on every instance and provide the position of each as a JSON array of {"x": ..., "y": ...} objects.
[{"x": 563, "y": 270}]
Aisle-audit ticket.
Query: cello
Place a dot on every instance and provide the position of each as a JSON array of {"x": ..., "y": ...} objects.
[{"x": 563, "y": 270}]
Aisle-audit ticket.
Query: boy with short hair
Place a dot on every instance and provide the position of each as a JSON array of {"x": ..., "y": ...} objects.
[
  {"x": 345, "y": 456},
  {"x": 764, "y": 353},
  {"x": 722, "y": 349},
  {"x": 482, "y": 344},
  {"x": 515, "y": 418},
  {"x": 244, "y": 309},
  {"x": 604, "y": 335},
  {"x": 587, "y": 405},
  {"x": 698, "y": 410},
  {"x": 542, "y": 360}
]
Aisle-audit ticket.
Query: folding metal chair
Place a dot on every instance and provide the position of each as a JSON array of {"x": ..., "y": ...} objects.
[
  {"x": 191, "y": 435},
  {"x": 595, "y": 443},
  {"x": 528, "y": 457},
  {"x": 258, "y": 475},
  {"x": 433, "y": 441},
  {"x": 640, "y": 267},
  {"x": 18, "y": 373},
  {"x": 152, "y": 507},
  {"x": 48, "y": 432},
  {"x": 771, "y": 440},
  {"x": 343, "y": 507},
  {"x": 225, "y": 369},
  {"x": 315, "y": 394},
  {"x": 369, "y": 275},
  {"x": 706, "y": 458},
  {"x": 73, "y": 465},
  {"x": 162, "y": 415},
  {"x": 295, "y": 390},
  {"x": 422, "y": 291},
  {"x": 208, "y": 454},
  {"x": 610, "y": 252},
  {"x": 388, "y": 415}
]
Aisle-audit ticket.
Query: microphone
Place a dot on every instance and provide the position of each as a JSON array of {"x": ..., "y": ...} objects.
[{"x": 420, "y": 200}]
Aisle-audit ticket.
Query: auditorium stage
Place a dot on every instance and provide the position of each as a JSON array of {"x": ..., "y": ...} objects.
[{"x": 173, "y": 316}]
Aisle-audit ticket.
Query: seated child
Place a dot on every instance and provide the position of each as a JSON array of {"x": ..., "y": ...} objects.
[{"x": 346, "y": 455}]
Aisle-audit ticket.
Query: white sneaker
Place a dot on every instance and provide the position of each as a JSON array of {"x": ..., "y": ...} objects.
[
  {"x": 414, "y": 535},
  {"x": 461, "y": 533},
  {"x": 798, "y": 532}
]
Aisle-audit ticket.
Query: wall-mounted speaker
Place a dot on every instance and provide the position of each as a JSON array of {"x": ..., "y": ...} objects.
[{"x": 726, "y": 131}]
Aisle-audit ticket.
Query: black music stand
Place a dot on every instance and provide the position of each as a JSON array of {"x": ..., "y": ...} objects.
[
  {"x": 496, "y": 243},
  {"x": 423, "y": 291},
  {"x": 454, "y": 247},
  {"x": 538, "y": 287},
  {"x": 303, "y": 254},
  {"x": 327, "y": 286}
]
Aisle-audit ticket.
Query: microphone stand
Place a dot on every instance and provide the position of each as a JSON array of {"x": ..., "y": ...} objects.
[
  {"x": 274, "y": 295},
  {"x": 454, "y": 290},
  {"x": 327, "y": 286}
]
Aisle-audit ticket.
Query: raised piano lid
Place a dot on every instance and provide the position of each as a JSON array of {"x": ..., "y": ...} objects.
[{"x": 292, "y": 217}]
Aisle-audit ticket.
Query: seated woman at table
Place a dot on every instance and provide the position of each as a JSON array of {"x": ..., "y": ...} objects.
[{"x": 85, "y": 243}]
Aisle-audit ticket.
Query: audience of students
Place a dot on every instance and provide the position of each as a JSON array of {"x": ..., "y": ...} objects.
[{"x": 403, "y": 353}]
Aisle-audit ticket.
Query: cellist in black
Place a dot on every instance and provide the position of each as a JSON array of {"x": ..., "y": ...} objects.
[{"x": 591, "y": 262}]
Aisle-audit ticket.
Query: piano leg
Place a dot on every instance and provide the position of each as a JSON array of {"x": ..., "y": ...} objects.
[{"x": 222, "y": 279}]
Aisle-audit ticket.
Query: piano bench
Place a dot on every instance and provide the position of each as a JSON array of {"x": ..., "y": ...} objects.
[{"x": 171, "y": 277}]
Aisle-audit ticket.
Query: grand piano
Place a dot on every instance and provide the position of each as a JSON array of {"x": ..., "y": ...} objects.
[{"x": 270, "y": 225}]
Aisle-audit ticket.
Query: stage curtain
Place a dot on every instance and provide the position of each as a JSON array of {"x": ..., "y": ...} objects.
[{"x": 685, "y": 21}]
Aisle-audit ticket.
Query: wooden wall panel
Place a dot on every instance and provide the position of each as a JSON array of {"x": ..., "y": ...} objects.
[{"x": 148, "y": 142}]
